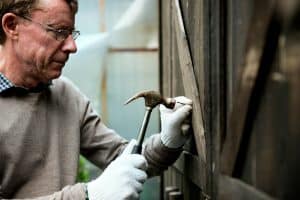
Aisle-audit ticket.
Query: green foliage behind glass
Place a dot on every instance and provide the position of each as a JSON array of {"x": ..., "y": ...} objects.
[{"x": 83, "y": 174}]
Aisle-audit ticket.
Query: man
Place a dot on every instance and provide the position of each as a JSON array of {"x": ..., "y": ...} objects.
[{"x": 45, "y": 121}]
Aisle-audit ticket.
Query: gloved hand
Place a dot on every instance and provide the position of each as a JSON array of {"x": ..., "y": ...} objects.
[
  {"x": 122, "y": 179},
  {"x": 171, "y": 121}
]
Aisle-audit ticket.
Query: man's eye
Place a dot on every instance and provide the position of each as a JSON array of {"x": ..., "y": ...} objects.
[{"x": 62, "y": 31}]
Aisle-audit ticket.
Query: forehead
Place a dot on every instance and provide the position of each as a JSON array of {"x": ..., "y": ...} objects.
[{"x": 55, "y": 8}]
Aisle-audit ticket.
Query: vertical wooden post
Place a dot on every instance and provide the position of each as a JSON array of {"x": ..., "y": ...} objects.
[{"x": 102, "y": 15}]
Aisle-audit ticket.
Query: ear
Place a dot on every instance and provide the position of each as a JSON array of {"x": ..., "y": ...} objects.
[{"x": 9, "y": 25}]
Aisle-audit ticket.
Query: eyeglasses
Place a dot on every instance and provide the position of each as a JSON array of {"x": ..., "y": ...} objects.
[{"x": 60, "y": 34}]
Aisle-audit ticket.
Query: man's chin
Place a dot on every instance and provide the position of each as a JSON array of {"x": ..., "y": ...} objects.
[
  {"x": 55, "y": 70},
  {"x": 52, "y": 75},
  {"x": 55, "y": 74}
]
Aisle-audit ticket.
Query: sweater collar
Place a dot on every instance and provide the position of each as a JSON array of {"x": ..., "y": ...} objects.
[{"x": 6, "y": 84}]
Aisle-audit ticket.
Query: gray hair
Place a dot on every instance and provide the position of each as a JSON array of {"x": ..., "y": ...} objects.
[{"x": 23, "y": 8}]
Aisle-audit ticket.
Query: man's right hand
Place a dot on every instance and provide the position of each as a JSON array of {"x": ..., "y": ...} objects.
[{"x": 122, "y": 179}]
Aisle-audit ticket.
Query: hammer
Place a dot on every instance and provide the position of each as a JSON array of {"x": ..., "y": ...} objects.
[{"x": 152, "y": 99}]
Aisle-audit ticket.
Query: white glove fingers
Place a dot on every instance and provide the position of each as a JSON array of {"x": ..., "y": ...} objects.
[
  {"x": 138, "y": 161},
  {"x": 182, "y": 113},
  {"x": 131, "y": 161},
  {"x": 183, "y": 100},
  {"x": 129, "y": 147},
  {"x": 164, "y": 109},
  {"x": 132, "y": 195},
  {"x": 139, "y": 175},
  {"x": 172, "y": 121},
  {"x": 122, "y": 179},
  {"x": 132, "y": 189},
  {"x": 180, "y": 101},
  {"x": 138, "y": 186}
]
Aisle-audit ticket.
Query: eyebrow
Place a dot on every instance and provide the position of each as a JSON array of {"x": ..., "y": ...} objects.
[{"x": 57, "y": 26}]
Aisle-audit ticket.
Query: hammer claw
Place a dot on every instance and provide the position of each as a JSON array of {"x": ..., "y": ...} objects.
[
  {"x": 138, "y": 95},
  {"x": 152, "y": 99}
]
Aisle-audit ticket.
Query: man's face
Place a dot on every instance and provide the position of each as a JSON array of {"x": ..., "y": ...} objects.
[{"x": 38, "y": 49}]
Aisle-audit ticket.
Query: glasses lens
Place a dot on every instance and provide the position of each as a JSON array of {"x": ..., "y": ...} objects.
[
  {"x": 75, "y": 34},
  {"x": 61, "y": 34}
]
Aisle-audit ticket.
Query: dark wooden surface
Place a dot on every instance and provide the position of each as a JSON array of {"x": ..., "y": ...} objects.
[
  {"x": 189, "y": 81},
  {"x": 216, "y": 63},
  {"x": 186, "y": 60},
  {"x": 247, "y": 80}
]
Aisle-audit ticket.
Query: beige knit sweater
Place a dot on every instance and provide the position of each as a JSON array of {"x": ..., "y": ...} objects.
[{"x": 42, "y": 135}]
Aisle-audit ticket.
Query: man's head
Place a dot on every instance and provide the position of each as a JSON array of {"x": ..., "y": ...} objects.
[
  {"x": 24, "y": 8},
  {"x": 38, "y": 35}
]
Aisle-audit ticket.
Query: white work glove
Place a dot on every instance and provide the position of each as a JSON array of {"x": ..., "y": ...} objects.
[
  {"x": 122, "y": 179},
  {"x": 171, "y": 122}
]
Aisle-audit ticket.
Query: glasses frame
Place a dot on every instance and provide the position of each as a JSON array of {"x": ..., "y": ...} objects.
[{"x": 60, "y": 34}]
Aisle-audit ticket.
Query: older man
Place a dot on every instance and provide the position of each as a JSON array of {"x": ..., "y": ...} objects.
[{"x": 45, "y": 122}]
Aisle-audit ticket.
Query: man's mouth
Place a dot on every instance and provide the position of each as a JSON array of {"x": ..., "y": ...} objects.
[{"x": 61, "y": 62}]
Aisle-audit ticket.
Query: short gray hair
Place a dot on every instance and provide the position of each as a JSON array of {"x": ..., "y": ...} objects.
[{"x": 23, "y": 8}]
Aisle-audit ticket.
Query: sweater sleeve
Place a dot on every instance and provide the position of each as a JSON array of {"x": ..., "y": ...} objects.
[
  {"x": 99, "y": 144},
  {"x": 102, "y": 145},
  {"x": 159, "y": 156},
  {"x": 74, "y": 192}
]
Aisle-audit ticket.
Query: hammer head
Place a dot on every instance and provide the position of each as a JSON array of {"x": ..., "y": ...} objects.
[{"x": 152, "y": 99}]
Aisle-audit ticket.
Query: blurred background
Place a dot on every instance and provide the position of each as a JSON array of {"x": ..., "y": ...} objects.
[{"x": 117, "y": 57}]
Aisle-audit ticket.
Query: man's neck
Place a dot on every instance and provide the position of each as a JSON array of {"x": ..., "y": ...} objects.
[{"x": 14, "y": 72}]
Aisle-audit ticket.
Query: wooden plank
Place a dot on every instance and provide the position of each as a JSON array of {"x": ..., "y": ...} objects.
[
  {"x": 290, "y": 66},
  {"x": 290, "y": 182},
  {"x": 189, "y": 81},
  {"x": 177, "y": 86},
  {"x": 231, "y": 188},
  {"x": 165, "y": 48},
  {"x": 194, "y": 13},
  {"x": 213, "y": 27},
  {"x": 272, "y": 136},
  {"x": 102, "y": 8},
  {"x": 193, "y": 172},
  {"x": 255, "y": 45},
  {"x": 192, "y": 168}
]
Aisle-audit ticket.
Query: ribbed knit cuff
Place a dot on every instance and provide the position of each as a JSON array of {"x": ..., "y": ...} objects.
[
  {"x": 159, "y": 156},
  {"x": 86, "y": 192}
]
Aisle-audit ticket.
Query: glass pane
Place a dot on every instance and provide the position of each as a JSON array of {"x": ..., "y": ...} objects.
[{"x": 118, "y": 57}]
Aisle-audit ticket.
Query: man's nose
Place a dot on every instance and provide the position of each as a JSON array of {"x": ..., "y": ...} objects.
[{"x": 69, "y": 45}]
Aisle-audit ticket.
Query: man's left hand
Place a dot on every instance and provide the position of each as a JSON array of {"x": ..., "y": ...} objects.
[{"x": 171, "y": 122}]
